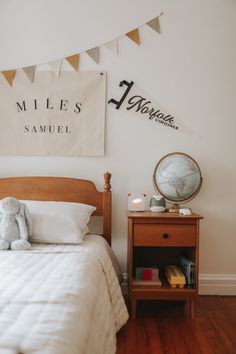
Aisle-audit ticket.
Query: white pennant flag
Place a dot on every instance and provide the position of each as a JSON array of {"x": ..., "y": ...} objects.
[
  {"x": 30, "y": 71},
  {"x": 139, "y": 103},
  {"x": 56, "y": 66},
  {"x": 113, "y": 46}
]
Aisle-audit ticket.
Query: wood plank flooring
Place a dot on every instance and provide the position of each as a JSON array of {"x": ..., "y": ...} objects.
[{"x": 163, "y": 328}]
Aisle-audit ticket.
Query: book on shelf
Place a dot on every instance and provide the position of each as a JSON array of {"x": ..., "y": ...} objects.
[
  {"x": 147, "y": 276},
  {"x": 147, "y": 282},
  {"x": 188, "y": 268}
]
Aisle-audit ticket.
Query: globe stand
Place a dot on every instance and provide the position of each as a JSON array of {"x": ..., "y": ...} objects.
[{"x": 174, "y": 208}]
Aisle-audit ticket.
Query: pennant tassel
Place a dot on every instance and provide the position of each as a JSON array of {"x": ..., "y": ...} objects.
[
  {"x": 9, "y": 76},
  {"x": 134, "y": 36},
  {"x": 74, "y": 61},
  {"x": 94, "y": 54}
]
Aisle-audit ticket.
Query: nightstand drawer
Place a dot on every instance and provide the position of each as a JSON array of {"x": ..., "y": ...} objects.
[{"x": 164, "y": 235}]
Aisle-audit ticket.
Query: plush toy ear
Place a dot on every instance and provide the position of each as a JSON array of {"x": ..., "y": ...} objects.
[{"x": 24, "y": 212}]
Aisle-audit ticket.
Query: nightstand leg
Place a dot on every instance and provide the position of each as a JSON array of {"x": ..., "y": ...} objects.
[
  {"x": 133, "y": 304},
  {"x": 192, "y": 309}
]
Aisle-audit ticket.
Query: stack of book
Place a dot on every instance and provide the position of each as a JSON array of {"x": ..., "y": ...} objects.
[
  {"x": 188, "y": 268},
  {"x": 147, "y": 276}
]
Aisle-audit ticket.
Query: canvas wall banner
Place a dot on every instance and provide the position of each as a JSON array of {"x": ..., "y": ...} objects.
[{"x": 54, "y": 115}]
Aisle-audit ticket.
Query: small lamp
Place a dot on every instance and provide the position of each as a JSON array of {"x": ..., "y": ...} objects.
[{"x": 136, "y": 202}]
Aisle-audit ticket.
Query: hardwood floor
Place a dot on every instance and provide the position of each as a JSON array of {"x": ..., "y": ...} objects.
[{"x": 163, "y": 328}]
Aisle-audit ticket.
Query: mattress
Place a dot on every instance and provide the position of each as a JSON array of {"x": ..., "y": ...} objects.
[{"x": 60, "y": 299}]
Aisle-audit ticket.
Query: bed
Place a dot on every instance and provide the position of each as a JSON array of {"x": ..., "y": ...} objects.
[{"x": 61, "y": 298}]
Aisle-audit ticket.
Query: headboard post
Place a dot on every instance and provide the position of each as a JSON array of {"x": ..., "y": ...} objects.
[{"x": 107, "y": 208}]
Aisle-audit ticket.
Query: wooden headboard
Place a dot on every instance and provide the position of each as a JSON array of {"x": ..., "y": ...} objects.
[{"x": 62, "y": 189}]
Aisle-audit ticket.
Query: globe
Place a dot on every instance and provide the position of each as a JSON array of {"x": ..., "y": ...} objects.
[{"x": 177, "y": 177}]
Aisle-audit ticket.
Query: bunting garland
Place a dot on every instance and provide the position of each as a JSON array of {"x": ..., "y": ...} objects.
[{"x": 94, "y": 53}]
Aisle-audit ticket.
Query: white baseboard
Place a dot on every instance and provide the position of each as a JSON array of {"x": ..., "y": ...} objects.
[
  {"x": 209, "y": 284},
  {"x": 217, "y": 284}
]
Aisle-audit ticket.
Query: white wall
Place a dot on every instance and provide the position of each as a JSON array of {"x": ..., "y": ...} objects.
[{"x": 189, "y": 69}]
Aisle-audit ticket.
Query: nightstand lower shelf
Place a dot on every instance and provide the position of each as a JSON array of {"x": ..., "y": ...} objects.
[{"x": 162, "y": 292}]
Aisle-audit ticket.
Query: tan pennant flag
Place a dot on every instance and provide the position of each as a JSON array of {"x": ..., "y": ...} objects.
[
  {"x": 74, "y": 61},
  {"x": 112, "y": 46},
  {"x": 9, "y": 76},
  {"x": 56, "y": 66},
  {"x": 94, "y": 54},
  {"x": 30, "y": 71},
  {"x": 134, "y": 35},
  {"x": 155, "y": 23}
]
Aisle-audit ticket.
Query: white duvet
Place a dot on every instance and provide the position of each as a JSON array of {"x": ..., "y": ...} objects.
[{"x": 60, "y": 299}]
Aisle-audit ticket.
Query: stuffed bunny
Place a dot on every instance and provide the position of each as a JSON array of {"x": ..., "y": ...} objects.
[{"x": 15, "y": 225}]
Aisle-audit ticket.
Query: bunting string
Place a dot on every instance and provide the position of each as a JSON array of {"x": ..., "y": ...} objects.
[{"x": 93, "y": 53}]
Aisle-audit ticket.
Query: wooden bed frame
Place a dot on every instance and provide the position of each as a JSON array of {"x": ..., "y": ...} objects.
[{"x": 63, "y": 189}]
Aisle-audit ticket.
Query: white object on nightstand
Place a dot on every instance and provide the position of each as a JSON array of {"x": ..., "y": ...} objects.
[{"x": 185, "y": 211}]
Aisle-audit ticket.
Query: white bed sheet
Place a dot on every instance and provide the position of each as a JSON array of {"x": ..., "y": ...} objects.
[{"x": 60, "y": 299}]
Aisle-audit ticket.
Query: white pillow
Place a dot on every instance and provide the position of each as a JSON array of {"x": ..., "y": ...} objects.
[{"x": 58, "y": 222}]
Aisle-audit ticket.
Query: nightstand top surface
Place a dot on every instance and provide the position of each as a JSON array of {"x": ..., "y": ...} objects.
[{"x": 150, "y": 214}]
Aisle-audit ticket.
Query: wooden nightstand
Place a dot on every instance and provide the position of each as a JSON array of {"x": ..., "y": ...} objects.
[{"x": 158, "y": 240}]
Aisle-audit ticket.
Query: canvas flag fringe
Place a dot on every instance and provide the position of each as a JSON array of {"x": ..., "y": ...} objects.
[{"x": 136, "y": 101}]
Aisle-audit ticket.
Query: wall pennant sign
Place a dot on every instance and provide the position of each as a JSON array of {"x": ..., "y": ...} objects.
[
  {"x": 138, "y": 102},
  {"x": 55, "y": 115}
]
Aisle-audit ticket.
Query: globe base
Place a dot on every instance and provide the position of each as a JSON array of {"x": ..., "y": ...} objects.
[{"x": 174, "y": 208}]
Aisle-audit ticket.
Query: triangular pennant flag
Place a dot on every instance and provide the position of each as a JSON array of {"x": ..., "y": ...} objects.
[
  {"x": 30, "y": 71},
  {"x": 112, "y": 46},
  {"x": 138, "y": 102},
  {"x": 94, "y": 54},
  {"x": 155, "y": 23},
  {"x": 134, "y": 35},
  {"x": 74, "y": 61},
  {"x": 9, "y": 76},
  {"x": 56, "y": 66}
]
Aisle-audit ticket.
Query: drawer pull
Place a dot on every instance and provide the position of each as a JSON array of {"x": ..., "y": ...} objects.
[{"x": 165, "y": 236}]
